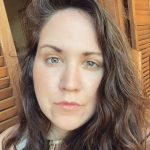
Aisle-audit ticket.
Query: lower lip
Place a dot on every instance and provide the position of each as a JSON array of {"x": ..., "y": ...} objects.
[{"x": 68, "y": 106}]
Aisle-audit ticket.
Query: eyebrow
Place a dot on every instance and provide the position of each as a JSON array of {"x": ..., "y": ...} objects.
[{"x": 59, "y": 50}]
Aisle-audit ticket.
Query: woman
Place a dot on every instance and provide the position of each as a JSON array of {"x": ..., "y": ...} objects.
[{"x": 79, "y": 89}]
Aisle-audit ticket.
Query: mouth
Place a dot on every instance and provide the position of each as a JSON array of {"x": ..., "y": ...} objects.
[{"x": 68, "y": 105}]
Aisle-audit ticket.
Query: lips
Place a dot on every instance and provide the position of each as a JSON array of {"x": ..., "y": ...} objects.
[{"x": 68, "y": 105}]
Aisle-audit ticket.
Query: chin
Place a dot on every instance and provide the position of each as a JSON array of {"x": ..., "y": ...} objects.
[{"x": 70, "y": 127}]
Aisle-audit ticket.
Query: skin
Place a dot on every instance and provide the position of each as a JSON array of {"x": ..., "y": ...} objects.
[
  {"x": 67, "y": 67},
  {"x": 73, "y": 32}
]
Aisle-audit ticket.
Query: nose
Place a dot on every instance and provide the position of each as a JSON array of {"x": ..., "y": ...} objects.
[{"x": 70, "y": 80}]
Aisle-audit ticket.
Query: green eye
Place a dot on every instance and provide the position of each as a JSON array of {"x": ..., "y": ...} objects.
[
  {"x": 53, "y": 60},
  {"x": 91, "y": 64}
]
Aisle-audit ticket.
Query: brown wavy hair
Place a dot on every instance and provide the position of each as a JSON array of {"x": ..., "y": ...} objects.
[{"x": 119, "y": 117}]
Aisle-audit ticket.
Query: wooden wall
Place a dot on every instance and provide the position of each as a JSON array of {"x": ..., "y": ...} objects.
[
  {"x": 133, "y": 17},
  {"x": 140, "y": 23},
  {"x": 8, "y": 66}
]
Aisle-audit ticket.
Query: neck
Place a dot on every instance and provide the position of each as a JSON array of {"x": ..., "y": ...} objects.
[{"x": 56, "y": 134}]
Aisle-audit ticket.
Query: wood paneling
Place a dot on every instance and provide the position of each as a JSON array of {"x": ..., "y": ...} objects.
[
  {"x": 6, "y": 93},
  {"x": 3, "y": 72},
  {"x": 142, "y": 5},
  {"x": 1, "y": 61},
  {"x": 8, "y": 123},
  {"x": 8, "y": 48},
  {"x": 7, "y": 103},
  {"x": 116, "y": 10},
  {"x": 8, "y": 113},
  {"x": 4, "y": 82},
  {"x": 8, "y": 65},
  {"x": 138, "y": 12},
  {"x": 140, "y": 25}
]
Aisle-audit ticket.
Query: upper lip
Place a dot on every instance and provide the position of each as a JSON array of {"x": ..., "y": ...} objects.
[{"x": 68, "y": 103}]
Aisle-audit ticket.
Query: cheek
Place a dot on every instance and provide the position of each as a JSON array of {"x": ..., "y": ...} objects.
[
  {"x": 43, "y": 88},
  {"x": 39, "y": 79},
  {"x": 92, "y": 89},
  {"x": 44, "y": 80},
  {"x": 92, "y": 82}
]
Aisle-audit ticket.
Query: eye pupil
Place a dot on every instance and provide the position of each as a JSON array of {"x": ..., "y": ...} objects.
[
  {"x": 90, "y": 63},
  {"x": 54, "y": 60}
]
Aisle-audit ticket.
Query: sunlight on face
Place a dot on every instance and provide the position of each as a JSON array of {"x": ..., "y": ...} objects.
[{"x": 68, "y": 69}]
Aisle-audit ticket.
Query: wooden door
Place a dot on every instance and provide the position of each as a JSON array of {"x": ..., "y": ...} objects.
[
  {"x": 116, "y": 9},
  {"x": 8, "y": 65},
  {"x": 139, "y": 11},
  {"x": 133, "y": 18}
]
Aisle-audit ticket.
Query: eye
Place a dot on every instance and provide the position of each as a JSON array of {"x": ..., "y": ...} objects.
[
  {"x": 91, "y": 64},
  {"x": 53, "y": 60}
]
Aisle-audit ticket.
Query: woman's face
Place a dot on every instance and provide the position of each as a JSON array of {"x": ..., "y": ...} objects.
[{"x": 68, "y": 69}]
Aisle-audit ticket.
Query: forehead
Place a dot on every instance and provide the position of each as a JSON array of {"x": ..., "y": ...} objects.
[
  {"x": 70, "y": 29},
  {"x": 71, "y": 15}
]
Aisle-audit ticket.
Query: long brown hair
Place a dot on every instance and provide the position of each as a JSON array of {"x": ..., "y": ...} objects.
[{"x": 119, "y": 116}]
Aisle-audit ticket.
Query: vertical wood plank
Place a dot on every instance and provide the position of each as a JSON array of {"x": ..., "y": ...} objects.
[
  {"x": 8, "y": 74},
  {"x": 8, "y": 48}
]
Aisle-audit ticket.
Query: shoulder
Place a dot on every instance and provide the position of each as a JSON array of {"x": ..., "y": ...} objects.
[{"x": 6, "y": 133}]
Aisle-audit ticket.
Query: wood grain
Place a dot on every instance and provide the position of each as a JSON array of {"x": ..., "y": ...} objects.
[
  {"x": 8, "y": 113},
  {"x": 6, "y": 93},
  {"x": 8, "y": 123},
  {"x": 1, "y": 61},
  {"x": 7, "y": 103},
  {"x": 3, "y": 72},
  {"x": 4, "y": 82}
]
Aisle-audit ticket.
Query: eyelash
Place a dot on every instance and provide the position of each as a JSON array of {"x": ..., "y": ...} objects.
[
  {"x": 52, "y": 59},
  {"x": 89, "y": 63}
]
